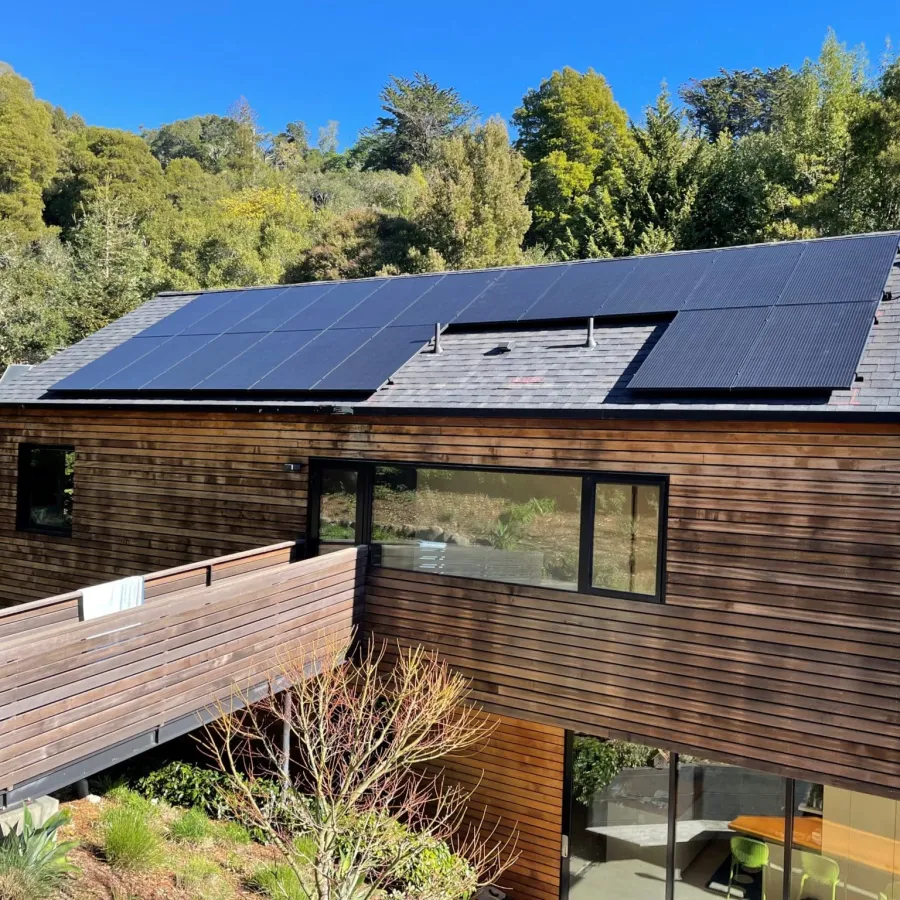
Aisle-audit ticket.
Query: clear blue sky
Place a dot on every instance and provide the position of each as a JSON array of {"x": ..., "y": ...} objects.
[{"x": 127, "y": 64}]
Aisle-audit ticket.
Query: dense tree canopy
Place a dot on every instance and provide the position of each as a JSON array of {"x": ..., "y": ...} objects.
[{"x": 95, "y": 220}]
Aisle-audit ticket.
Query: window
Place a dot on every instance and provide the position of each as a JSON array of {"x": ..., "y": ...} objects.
[
  {"x": 46, "y": 487},
  {"x": 576, "y": 531},
  {"x": 502, "y": 526}
]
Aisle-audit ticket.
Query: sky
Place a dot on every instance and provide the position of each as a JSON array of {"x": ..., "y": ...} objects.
[{"x": 132, "y": 64}]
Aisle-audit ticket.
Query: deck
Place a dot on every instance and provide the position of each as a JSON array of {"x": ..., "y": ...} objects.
[{"x": 78, "y": 696}]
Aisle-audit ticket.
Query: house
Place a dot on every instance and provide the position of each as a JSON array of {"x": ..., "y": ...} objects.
[{"x": 649, "y": 506}]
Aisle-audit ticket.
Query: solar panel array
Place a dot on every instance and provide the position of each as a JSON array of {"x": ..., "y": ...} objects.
[{"x": 792, "y": 315}]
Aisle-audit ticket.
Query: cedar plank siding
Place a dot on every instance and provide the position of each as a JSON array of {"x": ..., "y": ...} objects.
[{"x": 777, "y": 647}]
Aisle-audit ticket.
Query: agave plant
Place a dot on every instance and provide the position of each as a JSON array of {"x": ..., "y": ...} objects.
[{"x": 33, "y": 853}]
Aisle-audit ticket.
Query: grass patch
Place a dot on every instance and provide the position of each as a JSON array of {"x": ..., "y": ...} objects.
[
  {"x": 202, "y": 878},
  {"x": 125, "y": 797},
  {"x": 191, "y": 827},
  {"x": 231, "y": 834},
  {"x": 130, "y": 839},
  {"x": 278, "y": 881}
]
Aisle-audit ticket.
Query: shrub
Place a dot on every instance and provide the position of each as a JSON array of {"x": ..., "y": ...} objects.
[
  {"x": 129, "y": 839},
  {"x": 186, "y": 784},
  {"x": 279, "y": 881},
  {"x": 595, "y": 763},
  {"x": 31, "y": 859},
  {"x": 191, "y": 827}
]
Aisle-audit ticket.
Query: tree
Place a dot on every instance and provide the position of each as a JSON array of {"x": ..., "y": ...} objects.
[
  {"x": 474, "y": 212},
  {"x": 110, "y": 261},
  {"x": 419, "y": 115},
  {"x": 661, "y": 178},
  {"x": 574, "y": 134},
  {"x": 28, "y": 156},
  {"x": 35, "y": 280},
  {"x": 103, "y": 161},
  {"x": 739, "y": 102},
  {"x": 357, "y": 815},
  {"x": 215, "y": 142}
]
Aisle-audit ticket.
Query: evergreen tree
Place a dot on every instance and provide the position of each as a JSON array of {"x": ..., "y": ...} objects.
[{"x": 28, "y": 156}]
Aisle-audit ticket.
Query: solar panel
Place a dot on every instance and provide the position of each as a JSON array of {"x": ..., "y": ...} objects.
[
  {"x": 381, "y": 308},
  {"x": 375, "y": 361},
  {"x": 658, "y": 284},
  {"x": 509, "y": 297},
  {"x": 314, "y": 360},
  {"x": 701, "y": 349},
  {"x": 283, "y": 308},
  {"x": 334, "y": 305},
  {"x": 193, "y": 311},
  {"x": 448, "y": 298},
  {"x": 192, "y": 369},
  {"x": 235, "y": 311},
  {"x": 160, "y": 359},
  {"x": 808, "y": 347},
  {"x": 841, "y": 270},
  {"x": 754, "y": 276},
  {"x": 581, "y": 291},
  {"x": 257, "y": 361},
  {"x": 103, "y": 367}
]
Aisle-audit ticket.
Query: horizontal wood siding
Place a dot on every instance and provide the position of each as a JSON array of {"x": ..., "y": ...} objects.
[
  {"x": 778, "y": 645},
  {"x": 72, "y": 689},
  {"x": 517, "y": 779}
]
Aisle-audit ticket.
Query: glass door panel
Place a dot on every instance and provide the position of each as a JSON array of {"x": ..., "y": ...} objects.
[{"x": 337, "y": 523}]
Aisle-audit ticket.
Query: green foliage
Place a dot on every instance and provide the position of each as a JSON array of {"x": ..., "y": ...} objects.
[
  {"x": 186, "y": 785},
  {"x": 231, "y": 834},
  {"x": 203, "y": 878},
  {"x": 278, "y": 881},
  {"x": 130, "y": 839},
  {"x": 28, "y": 156},
  {"x": 596, "y": 763},
  {"x": 125, "y": 796},
  {"x": 32, "y": 860},
  {"x": 191, "y": 827},
  {"x": 418, "y": 116}
]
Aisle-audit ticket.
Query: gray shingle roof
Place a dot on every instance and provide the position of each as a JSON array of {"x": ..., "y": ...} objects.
[{"x": 546, "y": 369}]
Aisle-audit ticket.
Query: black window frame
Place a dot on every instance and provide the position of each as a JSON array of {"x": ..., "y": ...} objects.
[
  {"x": 24, "y": 493},
  {"x": 589, "y": 479}
]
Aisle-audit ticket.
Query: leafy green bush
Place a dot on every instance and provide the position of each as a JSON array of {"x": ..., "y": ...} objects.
[
  {"x": 129, "y": 839},
  {"x": 596, "y": 762},
  {"x": 191, "y": 827},
  {"x": 186, "y": 784},
  {"x": 32, "y": 862}
]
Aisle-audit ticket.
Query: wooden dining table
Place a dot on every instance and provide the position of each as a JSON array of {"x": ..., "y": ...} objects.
[{"x": 864, "y": 847}]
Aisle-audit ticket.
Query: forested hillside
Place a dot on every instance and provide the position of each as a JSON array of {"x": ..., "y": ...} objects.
[{"x": 94, "y": 220}]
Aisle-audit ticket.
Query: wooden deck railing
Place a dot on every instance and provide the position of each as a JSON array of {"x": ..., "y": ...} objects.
[{"x": 72, "y": 691}]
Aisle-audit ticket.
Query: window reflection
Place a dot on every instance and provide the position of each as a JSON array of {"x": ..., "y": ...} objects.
[
  {"x": 626, "y": 537},
  {"x": 846, "y": 845},
  {"x": 502, "y": 526},
  {"x": 729, "y": 832},
  {"x": 619, "y": 814},
  {"x": 337, "y": 509}
]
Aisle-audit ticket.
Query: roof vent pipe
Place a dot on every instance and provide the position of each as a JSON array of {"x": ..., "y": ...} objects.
[
  {"x": 437, "y": 338},
  {"x": 590, "y": 343}
]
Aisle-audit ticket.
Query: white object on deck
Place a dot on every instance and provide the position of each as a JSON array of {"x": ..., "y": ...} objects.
[{"x": 112, "y": 597}]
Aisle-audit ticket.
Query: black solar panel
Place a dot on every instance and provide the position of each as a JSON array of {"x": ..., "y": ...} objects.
[
  {"x": 780, "y": 315},
  {"x": 752, "y": 276},
  {"x": 701, "y": 349},
  {"x": 806, "y": 347},
  {"x": 581, "y": 291},
  {"x": 509, "y": 297}
]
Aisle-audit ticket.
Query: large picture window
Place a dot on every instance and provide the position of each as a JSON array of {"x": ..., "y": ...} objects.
[
  {"x": 576, "y": 531},
  {"x": 46, "y": 488}
]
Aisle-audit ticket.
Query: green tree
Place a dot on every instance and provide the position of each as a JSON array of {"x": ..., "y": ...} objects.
[
  {"x": 28, "y": 155},
  {"x": 35, "y": 280},
  {"x": 662, "y": 172},
  {"x": 739, "y": 102},
  {"x": 418, "y": 116},
  {"x": 474, "y": 212},
  {"x": 574, "y": 134},
  {"x": 104, "y": 161},
  {"x": 111, "y": 264},
  {"x": 215, "y": 142}
]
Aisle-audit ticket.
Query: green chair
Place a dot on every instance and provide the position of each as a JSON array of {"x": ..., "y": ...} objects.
[
  {"x": 820, "y": 869},
  {"x": 750, "y": 855}
]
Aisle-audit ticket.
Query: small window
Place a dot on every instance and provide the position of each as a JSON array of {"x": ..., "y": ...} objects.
[
  {"x": 625, "y": 552},
  {"x": 46, "y": 488}
]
